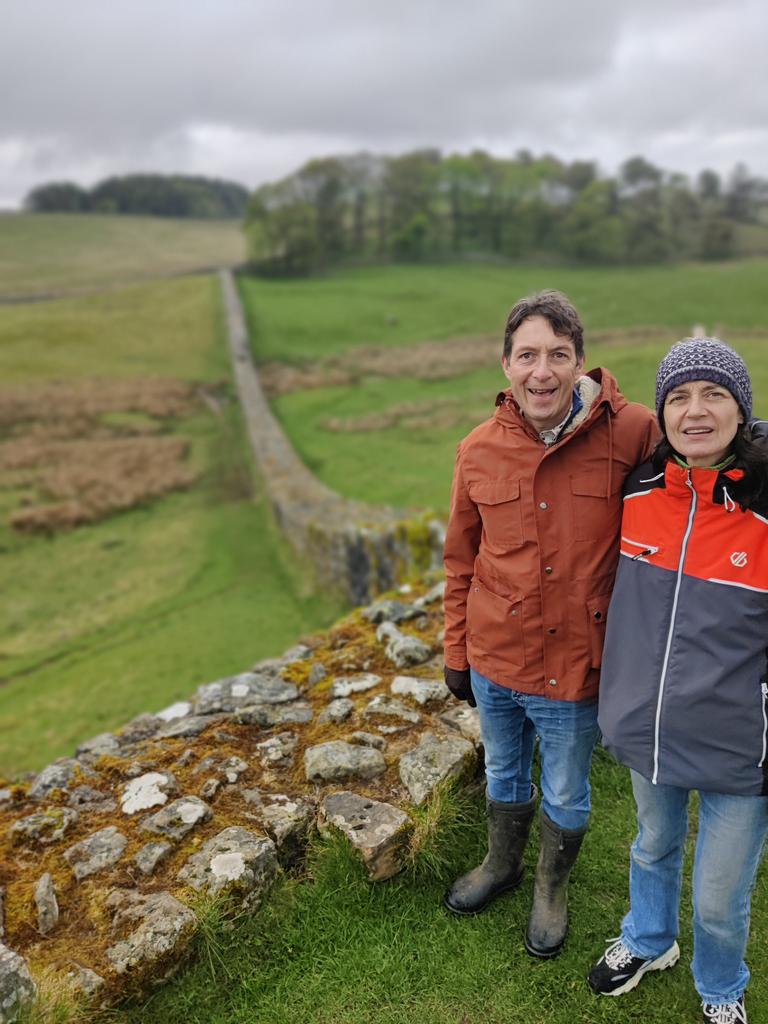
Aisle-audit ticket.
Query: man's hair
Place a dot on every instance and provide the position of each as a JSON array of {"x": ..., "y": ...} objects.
[{"x": 556, "y": 309}]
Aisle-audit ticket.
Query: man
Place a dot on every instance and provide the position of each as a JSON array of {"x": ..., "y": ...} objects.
[{"x": 530, "y": 556}]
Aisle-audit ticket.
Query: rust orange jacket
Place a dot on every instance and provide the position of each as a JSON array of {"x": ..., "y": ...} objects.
[{"x": 532, "y": 544}]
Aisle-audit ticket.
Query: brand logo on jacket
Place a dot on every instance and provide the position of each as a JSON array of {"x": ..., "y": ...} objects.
[{"x": 739, "y": 559}]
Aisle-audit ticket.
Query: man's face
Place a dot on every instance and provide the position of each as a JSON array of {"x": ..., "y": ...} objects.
[{"x": 542, "y": 369}]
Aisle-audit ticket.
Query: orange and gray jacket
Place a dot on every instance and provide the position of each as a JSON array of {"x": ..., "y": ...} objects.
[
  {"x": 532, "y": 544},
  {"x": 684, "y": 697}
]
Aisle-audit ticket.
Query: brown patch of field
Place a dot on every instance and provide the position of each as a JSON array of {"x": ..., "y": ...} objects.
[
  {"x": 441, "y": 414},
  {"x": 78, "y": 452}
]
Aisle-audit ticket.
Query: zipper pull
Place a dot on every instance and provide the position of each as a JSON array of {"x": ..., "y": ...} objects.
[{"x": 642, "y": 554}]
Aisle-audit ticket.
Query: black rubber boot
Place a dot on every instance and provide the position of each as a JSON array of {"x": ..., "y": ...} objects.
[
  {"x": 548, "y": 923},
  {"x": 502, "y": 869}
]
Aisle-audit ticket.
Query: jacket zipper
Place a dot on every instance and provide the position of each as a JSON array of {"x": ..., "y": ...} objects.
[
  {"x": 649, "y": 550},
  {"x": 764, "y": 691},
  {"x": 671, "y": 632}
]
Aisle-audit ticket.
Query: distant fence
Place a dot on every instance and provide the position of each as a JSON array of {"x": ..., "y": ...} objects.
[{"x": 354, "y": 548}]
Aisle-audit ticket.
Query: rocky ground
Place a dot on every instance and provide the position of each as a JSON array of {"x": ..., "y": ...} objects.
[{"x": 106, "y": 856}]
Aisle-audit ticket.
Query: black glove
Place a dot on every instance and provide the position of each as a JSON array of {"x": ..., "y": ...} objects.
[{"x": 459, "y": 684}]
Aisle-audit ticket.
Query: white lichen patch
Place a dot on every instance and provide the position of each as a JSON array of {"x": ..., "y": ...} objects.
[
  {"x": 228, "y": 866},
  {"x": 179, "y": 710},
  {"x": 146, "y": 791},
  {"x": 190, "y": 813}
]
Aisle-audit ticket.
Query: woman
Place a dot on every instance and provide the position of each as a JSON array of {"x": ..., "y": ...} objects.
[{"x": 684, "y": 695}]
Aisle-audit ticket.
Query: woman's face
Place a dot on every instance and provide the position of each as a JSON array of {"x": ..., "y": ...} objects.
[{"x": 701, "y": 420}]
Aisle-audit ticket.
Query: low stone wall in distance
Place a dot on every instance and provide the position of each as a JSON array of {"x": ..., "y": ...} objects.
[
  {"x": 360, "y": 550},
  {"x": 104, "y": 856}
]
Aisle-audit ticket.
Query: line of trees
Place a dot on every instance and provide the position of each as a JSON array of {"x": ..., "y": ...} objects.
[
  {"x": 424, "y": 206},
  {"x": 156, "y": 195}
]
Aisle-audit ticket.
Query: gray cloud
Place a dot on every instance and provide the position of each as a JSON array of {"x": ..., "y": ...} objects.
[{"x": 250, "y": 90}]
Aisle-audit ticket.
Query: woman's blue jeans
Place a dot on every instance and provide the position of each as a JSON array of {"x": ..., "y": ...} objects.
[
  {"x": 729, "y": 845},
  {"x": 567, "y": 731}
]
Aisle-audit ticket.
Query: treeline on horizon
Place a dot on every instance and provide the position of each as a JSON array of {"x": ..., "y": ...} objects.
[
  {"x": 155, "y": 195},
  {"x": 424, "y": 206}
]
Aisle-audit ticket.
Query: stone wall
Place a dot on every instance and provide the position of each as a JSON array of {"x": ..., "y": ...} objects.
[
  {"x": 104, "y": 856},
  {"x": 358, "y": 549}
]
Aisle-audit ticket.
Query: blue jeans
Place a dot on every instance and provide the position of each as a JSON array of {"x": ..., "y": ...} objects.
[
  {"x": 567, "y": 731},
  {"x": 729, "y": 845}
]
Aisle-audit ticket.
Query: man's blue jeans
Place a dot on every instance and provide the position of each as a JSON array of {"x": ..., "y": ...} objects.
[
  {"x": 567, "y": 731},
  {"x": 732, "y": 830}
]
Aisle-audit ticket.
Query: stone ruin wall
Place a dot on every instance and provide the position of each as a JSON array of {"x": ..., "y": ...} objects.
[
  {"x": 359, "y": 549},
  {"x": 105, "y": 856}
]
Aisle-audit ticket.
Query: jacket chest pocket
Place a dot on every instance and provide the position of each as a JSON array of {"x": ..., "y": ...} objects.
[
  {"x": 595, "y": 516},
  {"x": 498, "y": 502}
]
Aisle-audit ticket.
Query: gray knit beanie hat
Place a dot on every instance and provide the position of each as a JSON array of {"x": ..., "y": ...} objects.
[{"x": 704, "y": 359}]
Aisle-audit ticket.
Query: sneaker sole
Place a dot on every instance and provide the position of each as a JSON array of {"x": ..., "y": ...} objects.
[{"x": 661, "y": 963}]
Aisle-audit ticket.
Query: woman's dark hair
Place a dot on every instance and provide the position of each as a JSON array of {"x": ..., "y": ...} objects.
[{"x": 751, "y": 492}]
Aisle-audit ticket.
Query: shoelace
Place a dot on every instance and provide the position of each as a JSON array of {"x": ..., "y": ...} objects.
[
  {"x": 619, "y": 956},
  {"x": 725, "y": 1013}
]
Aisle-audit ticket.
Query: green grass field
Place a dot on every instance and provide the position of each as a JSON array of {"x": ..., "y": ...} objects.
[
  {"x": 308, "y": 323},
  {"x": 127, "y": 615},
  {"x": 42, "y": 253}
]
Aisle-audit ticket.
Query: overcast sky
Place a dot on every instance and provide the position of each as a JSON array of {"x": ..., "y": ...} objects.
[{"x": 250, "y": 89}]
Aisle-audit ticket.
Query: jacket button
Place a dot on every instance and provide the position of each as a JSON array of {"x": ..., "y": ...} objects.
[
  {"x": 552, "y": 682},
  {"x": 543, "y": 504},
  {"x": 552, "y": 631},
  {"x": 548, "y": 570},
  {"x": 598, "y": 615}
]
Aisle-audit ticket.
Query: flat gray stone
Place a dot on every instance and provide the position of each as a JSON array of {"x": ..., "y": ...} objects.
[
  {"x": 150, "y": 855},
  {"x": 104, "y": 743},
  {"x": 337, "y": 711},
  {"x": 343, "y": 686},
  {"x": 384, "y": 706},
  {"x": 401, "y": 649},
  {"x": 56, "y": 776},
  {"x": 330, "y": 762},
  {"x": 180, "y": 709},
  {"x": 99, "y": 851},
  {"x": 421, "y": 690},
  {"x": 17, "y": 989},
  {"x": 92, "y": 799},
  {"x": 433, "y": 761},
  {"x": 277, "y": 751},
  {"x": 297, "y": 712},
  {"x": 178, "y": 818},
  {"x": 154, "y": 929},
  {"x": 366, "y": 739},
  {"x": 317, "y": 673},
  {"x": 151, "y": 789},
  {"x": 210, "y": 788},
  {"x": 464, "y": 720},
  {"x": 379, "y": 831},
  {"x": 242, "y": 690},
  {"x": 192, "y": 725},
  {"x": 85, "y": 980},
  {"x": 387, "y": 610},
  {"x": 288, "y": 821},
  {"x": 232, "y": 768},
  {"x": 47, "y": 904},
  {"x": 141, "y": 728},
  {"x": 235, "y": 859},
  {"x": 6, "y": 795},
  {"x": 44, "y": 827}
]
